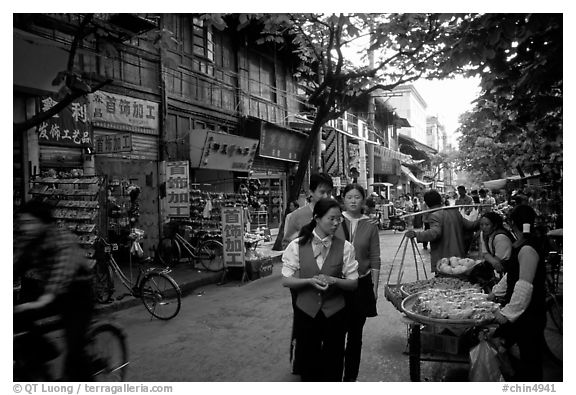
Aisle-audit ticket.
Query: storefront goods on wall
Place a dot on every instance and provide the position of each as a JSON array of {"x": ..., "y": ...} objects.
[{"x": 69, "y": 128}]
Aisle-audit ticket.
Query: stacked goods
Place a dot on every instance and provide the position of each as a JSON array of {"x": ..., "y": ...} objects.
[
  {"x": 438, "y": 283},
  {"x": 462, "y": 304},
  {"x": 456, "y": 266}
]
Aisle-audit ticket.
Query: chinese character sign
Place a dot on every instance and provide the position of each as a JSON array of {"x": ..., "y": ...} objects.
[
  {"x": 70, "y": 127},
  {"x": 107, "y": 107},
  {"x": 233, "y": 236},
  {"x": 177, "y": 190},
  {"x": 111, "y": 143}
]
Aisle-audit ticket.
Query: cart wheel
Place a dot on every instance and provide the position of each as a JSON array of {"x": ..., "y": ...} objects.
[{"x": 414, "y": 352}]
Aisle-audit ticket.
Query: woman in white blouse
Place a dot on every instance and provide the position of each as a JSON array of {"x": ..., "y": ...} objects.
[{"x": 319, "y": 267}]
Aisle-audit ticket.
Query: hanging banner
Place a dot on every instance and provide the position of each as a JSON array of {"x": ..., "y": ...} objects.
[
  {"x": 177, "y": 189},
  {"x": 233, "y": 236},
  {"x": 69, "y": 128},
  {"x": 122, "y": 112}
]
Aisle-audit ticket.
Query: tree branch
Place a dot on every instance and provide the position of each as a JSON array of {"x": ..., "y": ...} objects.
[{"x": 44, "y": 115}]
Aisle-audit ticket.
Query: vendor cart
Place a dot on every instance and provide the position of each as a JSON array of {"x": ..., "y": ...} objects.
[
  {"x": 431, "y": 339},
  {"x": 438, "y": 340}
]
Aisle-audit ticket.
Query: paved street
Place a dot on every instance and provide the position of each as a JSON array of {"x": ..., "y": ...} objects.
[{"x": 241, "y": 333}]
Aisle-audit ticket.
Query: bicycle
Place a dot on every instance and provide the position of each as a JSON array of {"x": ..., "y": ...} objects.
[
  {"x": 158, "y": 291},
  {"x": 106, "y": 349},
  {"x": 553, "y": 332},
  {"x": 209, "y": 252}
]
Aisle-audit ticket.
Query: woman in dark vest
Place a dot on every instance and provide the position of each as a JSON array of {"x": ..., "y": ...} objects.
[
  {"x": 523, "y": 315},
  {"x": 360, "y": 303},
  {"x": 319, "y": 267}
]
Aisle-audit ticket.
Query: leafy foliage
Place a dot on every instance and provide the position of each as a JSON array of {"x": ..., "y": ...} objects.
[{"x": 518, "y": 118}]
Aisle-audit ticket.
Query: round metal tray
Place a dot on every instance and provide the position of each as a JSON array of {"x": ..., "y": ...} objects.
[{"x": 408, "y": 303}]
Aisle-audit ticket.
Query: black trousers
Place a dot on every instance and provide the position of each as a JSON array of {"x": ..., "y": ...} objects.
[
  {"x": 529, "y": 336},
  {"x": 320, "y": 349},
  {"x": 353, "y": 353}
]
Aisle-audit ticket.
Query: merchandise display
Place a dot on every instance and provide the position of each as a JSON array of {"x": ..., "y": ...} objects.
[
  {"x": 458, "y": 305},
  {"x": 447, "y": 283},
  {"x": 205, "y": 210},
  {"x": 456, "y": 266},
  {"x": 77, "y": 200}
]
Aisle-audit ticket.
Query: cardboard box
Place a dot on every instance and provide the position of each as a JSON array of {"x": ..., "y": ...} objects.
[{"x": 441, "y": 340}]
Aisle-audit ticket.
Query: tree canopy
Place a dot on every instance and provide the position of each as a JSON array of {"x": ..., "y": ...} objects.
[{"x": 517, "y": 120}]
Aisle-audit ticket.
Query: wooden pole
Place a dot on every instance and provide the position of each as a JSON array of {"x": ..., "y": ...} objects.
[{"x": 445, "y": 208}]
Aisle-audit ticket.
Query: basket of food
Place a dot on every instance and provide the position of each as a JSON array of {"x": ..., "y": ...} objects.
[
  {"x": 451, "y": 308},
  {"x": 455, "y": 266},
  {"x": 438, "y": 283}
]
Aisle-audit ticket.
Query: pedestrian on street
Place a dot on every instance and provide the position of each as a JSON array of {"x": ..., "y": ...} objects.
[
  {"x": 446, "y": 233},
  {"x": 55, "y": 280},
  {"x": 360, "y": 303},
  {"x": 319, "y": 267},
  {"x": 522, "y": 318},
  {"x": 320, "y": 187}
]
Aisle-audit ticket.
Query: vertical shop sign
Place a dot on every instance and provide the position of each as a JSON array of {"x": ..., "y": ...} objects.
[
  {"x": 177, "y": 189},
  {"x": 233, "y": 236},
  {"x": 69, "y": 127}
]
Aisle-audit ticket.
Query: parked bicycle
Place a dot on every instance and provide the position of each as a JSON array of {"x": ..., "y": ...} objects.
[
  {"x": 202, "y": 248},
  {"x": 34, "y": 356},
  {"x": 158, "y": 291}
]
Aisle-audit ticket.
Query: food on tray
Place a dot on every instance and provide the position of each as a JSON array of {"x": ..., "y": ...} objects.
[
  {"x": 440, "y": 283},
  {"x": 455, "y": 265},
  {"x": 465, "y": 304}
]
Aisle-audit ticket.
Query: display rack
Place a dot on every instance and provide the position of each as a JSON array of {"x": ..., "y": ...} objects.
[
  {"x": 206, "y": 208},
  {"x": 77, "y": 201},
  {"x": 270, "y": 194}
]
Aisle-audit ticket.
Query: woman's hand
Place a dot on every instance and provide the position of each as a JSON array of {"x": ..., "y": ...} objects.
[
  {"x": 500, "y": 318},
  {"x": 318, "y": 283}
]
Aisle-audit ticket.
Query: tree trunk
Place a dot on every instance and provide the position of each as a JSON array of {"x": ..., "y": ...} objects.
[{"x": 294, "y": 190}]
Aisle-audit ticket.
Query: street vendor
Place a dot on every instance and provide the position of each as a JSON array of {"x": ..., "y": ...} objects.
[
  {"x": 523, "y": 317},
  {"x": 446, "y": 233}
]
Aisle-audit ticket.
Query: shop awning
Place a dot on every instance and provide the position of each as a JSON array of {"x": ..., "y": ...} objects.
[{"x": 413, "y": 178}]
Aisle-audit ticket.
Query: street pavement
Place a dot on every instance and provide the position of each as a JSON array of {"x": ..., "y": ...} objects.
[{"x": 239, "y": 331}]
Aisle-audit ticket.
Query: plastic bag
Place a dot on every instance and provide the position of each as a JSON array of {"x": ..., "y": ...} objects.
[
  {"x": 137, "y": 250},
  {"x": 484, "y": 364},
  {"x": 473, "y": 216}
]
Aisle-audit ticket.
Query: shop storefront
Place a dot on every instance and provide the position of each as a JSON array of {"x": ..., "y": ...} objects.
[
  {"x": 126, "y": 144},
  {"x": 278, "y": 154}
]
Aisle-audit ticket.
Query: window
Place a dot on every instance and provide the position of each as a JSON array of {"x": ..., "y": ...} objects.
[
  {"x": 203, "y": 44},
  {"x": 262, "y": 78}
]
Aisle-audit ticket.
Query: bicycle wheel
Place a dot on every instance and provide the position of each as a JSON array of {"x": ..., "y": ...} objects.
[
  {"x": 108, "y": 352},
  {"x": 553, "y": 330},
  {"x": 161, "y": 295},
  {"x": 211, "y": 255},
  {"x": 102, "y": 282},
  {"x": 169, "y": 251}
]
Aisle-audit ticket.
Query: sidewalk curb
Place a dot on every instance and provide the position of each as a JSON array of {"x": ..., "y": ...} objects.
[{"x": 186, "y": 288}]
